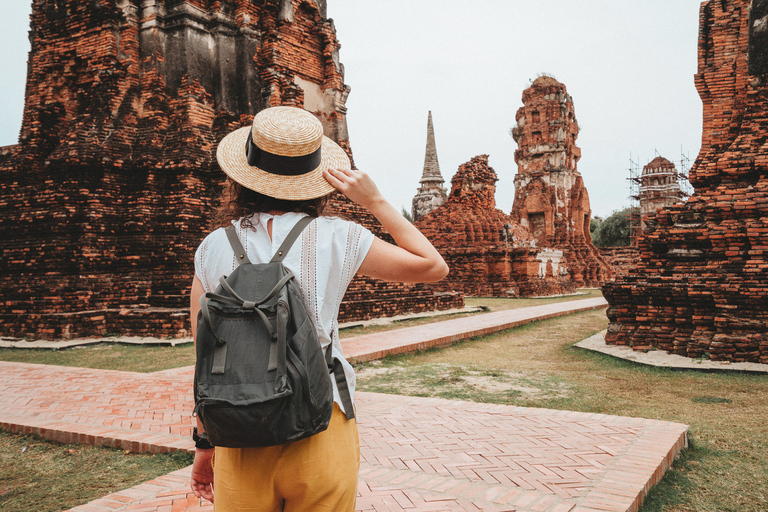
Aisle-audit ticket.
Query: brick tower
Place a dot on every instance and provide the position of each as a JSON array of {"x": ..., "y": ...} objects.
[
  {"x": 431, "y": 193},
  {"x": 700, "y": 287},
  {"x": 550, "y": 197},
  {"x": 659, "y": 187}
]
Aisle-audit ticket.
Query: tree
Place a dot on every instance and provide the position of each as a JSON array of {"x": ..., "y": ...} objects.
[
  {"x": 593, "y": 224},
  {"x": 614, "y": 230},
  {"x": 407, "y": 215}
]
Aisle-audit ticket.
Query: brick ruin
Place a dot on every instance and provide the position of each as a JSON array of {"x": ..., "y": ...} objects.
[
  {"x": 658, "y": 188},
  {"x": 544, "y": 247},
  {"x": 550, "y": 197},
  {"x": 431, "y": 193},
  {"x": 488, "y": 253},
  {"x": 700, "y": 287},
  {"x": 621, "y": 259},
  {"x": 105, "y": 197}
]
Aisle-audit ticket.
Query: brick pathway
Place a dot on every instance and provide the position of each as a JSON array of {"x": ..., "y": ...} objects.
[
  {"x": 375, "y": 346},
  {"x": 417, "y": 454}
]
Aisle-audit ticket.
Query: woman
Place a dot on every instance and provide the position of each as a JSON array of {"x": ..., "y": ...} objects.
[{"x": 280, "y": 170}]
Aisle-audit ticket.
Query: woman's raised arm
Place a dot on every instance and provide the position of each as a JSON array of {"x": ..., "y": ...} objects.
[{"x": 413, "y": 259}]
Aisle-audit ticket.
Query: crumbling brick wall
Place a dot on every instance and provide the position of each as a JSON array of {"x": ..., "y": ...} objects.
[
  {"x": 700, "y": 287},
  {"x": 550, "y": 197},
  {"x": 621, "y": 259},
  {"x": 106, "y": 196}
]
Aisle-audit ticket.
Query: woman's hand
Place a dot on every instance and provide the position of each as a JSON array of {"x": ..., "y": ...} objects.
[
  {"x": 202, "y": 474},
  {"x": 356, "y": 185}
]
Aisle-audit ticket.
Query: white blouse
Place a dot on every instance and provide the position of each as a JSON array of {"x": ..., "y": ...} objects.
[{"x": 324, "y": 260}]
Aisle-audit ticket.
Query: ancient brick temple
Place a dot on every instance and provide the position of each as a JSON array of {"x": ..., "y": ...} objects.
[
  {"x": 700, "y": 287},
  {"x": 106, "y": 196},
  {"x": 488, "y": 253},
  {"x": 550, "y": 197},
  {"x": 431, "y": 193},
  {"x": 659, "y": 187}
]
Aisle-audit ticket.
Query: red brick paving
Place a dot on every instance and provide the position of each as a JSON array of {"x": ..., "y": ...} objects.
[{"x": 417, "y": 454}]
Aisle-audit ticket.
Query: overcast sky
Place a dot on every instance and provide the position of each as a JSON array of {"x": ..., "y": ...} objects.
[{"x": 628, "y": 65}]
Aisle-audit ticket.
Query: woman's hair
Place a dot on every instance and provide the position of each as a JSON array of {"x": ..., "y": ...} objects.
[{"x": 236, "y": 201}]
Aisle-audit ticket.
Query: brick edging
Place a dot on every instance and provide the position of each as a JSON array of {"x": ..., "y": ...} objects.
[{"x": 135, "y": 441}]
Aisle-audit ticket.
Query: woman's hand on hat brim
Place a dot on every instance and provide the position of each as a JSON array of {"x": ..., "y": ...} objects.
[{"x": 356, "y": 185}]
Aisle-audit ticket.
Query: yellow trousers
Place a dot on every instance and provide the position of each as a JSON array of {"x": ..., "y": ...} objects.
[{"x": 318, "y": 473}]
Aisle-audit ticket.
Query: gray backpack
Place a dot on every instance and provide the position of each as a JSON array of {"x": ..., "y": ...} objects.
[{"x": 261, "y": 377}]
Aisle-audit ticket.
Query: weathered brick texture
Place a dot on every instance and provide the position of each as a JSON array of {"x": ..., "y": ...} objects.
[
  {"x": 550, "y": 197},
  {"x": 621, "y": 259},
  {"x": 701, "y": 283},
  {"x": 106, "y": 196}
]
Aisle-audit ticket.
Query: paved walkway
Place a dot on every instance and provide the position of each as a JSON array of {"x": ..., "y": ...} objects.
[
  {"x": 663, "y": 359},
  {"x": 410, "y": 339},
  {"x": 417, "y": 454}
]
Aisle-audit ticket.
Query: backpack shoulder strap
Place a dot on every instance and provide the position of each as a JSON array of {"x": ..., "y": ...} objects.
[
  {"x": 334, "y": 367},
  {"x": 291, "y": 238},
  {"x": 237, "y": 247}
]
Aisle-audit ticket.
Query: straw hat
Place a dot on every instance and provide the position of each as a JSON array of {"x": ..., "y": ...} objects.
[{"x": 283, "y": 155}]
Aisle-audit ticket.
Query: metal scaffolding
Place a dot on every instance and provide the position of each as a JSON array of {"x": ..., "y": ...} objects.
[
  {"x": 635, "y": 180},
  {"x": 634, "y": 200},
  {"x": 683, "y": 175}
]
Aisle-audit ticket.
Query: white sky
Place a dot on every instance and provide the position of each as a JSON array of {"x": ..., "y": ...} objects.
[{"x": 628, "y": 65}]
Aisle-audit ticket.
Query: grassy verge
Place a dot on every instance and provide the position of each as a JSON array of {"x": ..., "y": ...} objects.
[
  {"x": 725, "y": 468},
  {"x": 46, "y": 477},
  {"x": 107, "y": 356},
  {"x": 499, "y": 303},
  {"x": 490, "y": 303}
]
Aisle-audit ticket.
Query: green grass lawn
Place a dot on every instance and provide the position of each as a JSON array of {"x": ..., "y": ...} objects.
[
  {"x": 107, "y": 356},
  {"x": 41, "y": 476}
]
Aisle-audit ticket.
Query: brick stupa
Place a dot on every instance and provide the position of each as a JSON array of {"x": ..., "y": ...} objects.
[
  {"x": 488, "y": 253},
  {"x": 701, "y": 284},
  {"x": 106, "y": 196},
  {"x": 550, "y": 197}
]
